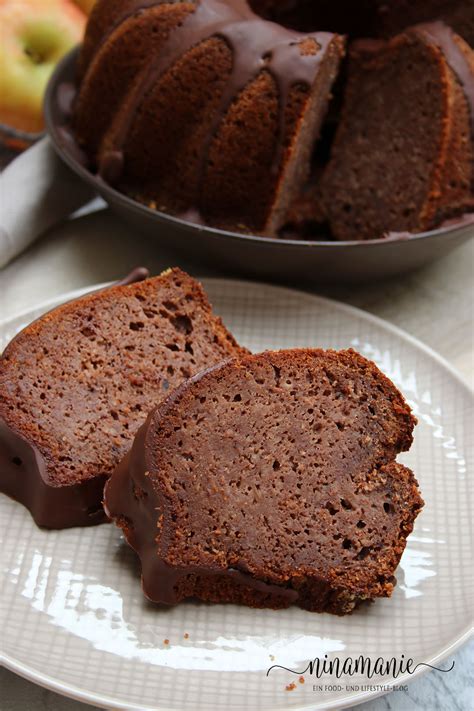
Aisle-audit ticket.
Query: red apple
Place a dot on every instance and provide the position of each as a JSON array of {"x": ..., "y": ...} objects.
[{"x": 35, "y": 34}]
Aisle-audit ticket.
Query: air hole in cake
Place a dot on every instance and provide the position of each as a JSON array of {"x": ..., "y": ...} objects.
[
  {"x": 332, "y": 510},
  {"x": 346, "y": 543},
  {"x": 388, "y": 508},
  {"x": 182, "y": 324},
  {"x": 361, "y": 524},
  {"x": 188, "y": 348},
  {"x": 170, "y": 305},
  {"x": 172, "y": 346},
  {"x": 346, "y": 505},
  {"x": 277, "y": 372},
  {"x": 237, "y": 398},
  {"x": 276, "y": 465},
  {"x": 136, "y": 325},
  {"x": 363, "y": 553},
  {"x": 88, "y": 332}
]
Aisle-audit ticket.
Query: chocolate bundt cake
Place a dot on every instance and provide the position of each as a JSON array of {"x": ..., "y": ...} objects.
[
  {"x": 76, "y": 385},
  {"x": 216, "y": 111},
  {"x": 202, "y": 108},
  {"x": 403, "y": 154},
  {"x": 269, "y": 480}
]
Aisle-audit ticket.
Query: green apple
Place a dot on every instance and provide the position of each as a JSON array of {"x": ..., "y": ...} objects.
[{"x": 35, "y": 34}]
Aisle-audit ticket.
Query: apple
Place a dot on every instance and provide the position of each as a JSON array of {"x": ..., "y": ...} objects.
[
  {"x": 35, "y": 34},
  {"x": 85, "y": 5}
]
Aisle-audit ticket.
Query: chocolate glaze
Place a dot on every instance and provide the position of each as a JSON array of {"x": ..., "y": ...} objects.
[
  {"x": 257, "y": 45},
  {"x": 159, "y": 578},
  {"x": 24, "y": 474},
  {"x": 24, "y": 477},
  {"x": 137, "y": 274}
]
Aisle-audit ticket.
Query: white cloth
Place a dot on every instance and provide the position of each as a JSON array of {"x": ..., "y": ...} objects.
[{"x": 37, "y": 190}]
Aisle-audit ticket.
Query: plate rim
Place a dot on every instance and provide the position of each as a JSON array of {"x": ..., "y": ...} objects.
[{"x": 105, "y": 701}]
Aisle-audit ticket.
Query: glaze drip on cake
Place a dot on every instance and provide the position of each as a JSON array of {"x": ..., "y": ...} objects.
[
  {"x": 290, "y": 57},
  {"x": 299, "y": 71}
]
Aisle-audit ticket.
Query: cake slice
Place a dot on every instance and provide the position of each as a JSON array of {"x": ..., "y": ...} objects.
[
  {"x": 271, "y": 479},
  {"x": 76, "y": 385},
  {"x": 403, "y": 156}
]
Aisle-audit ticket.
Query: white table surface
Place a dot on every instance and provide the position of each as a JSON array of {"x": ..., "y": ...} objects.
[{"x": 434, "y": 304}]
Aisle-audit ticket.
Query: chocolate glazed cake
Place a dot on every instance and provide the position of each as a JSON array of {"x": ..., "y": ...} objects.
[
  {"x": 403, "y": 154},
  {"x": 77, "y": 384},
  {"x": 270, "y": 480},
  {"x": 247, "y": 98}
]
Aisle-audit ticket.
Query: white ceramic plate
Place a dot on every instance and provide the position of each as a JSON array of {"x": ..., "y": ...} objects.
[{"x": 74, "y": 618}]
